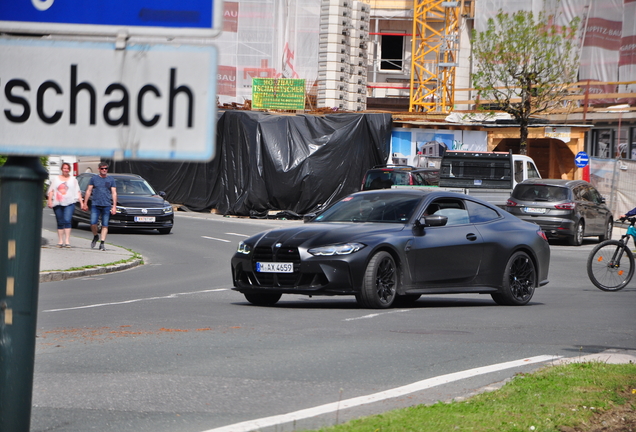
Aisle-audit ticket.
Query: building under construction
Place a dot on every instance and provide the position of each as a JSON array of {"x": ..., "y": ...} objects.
[{"x": 412, "y": 58}]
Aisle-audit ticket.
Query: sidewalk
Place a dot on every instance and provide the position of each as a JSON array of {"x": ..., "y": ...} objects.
[{"x": 80, "y": 260}]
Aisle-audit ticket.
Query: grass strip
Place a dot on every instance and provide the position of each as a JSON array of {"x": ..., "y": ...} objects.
[
  {"x": 570, "y": 397},
  {"x": 136, "y": 256}
]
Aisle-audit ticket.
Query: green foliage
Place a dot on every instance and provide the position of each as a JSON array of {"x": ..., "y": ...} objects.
[
  {"x": 524, "y": 62},
  {"x": 44, "y": 160},
  {"x": 547, "y": 400}
]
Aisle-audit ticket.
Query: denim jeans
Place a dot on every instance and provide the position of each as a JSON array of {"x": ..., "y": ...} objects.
[
  {"x": 63, "y": 215},
  {"x": 103, "y": 211}
]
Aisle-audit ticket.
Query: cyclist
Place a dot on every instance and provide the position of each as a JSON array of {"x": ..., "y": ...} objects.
[{"x": 630, "y": 213}]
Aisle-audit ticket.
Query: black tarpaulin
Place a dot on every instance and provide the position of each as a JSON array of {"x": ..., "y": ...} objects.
[{"x": 269, "y": 162}]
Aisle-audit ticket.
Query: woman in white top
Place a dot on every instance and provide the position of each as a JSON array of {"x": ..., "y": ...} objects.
[{"x": 63, "y": 193}]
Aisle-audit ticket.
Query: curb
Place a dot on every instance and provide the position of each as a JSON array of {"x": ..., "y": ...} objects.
[{"x": 59, "y": 275}]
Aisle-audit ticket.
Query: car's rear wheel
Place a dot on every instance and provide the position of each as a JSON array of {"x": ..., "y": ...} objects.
[
  {"x": 262, "y": 299},
  {"x": 164, "y": 230},
  {"x": 379, "y": 287},
  {"x": 608, "y": 232},
  {"x": 576, "y": 239},
  {"x": 519, "y": 281}
]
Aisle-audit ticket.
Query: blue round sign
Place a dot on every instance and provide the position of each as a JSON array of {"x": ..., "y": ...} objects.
[{"x": 581, "y": 159}]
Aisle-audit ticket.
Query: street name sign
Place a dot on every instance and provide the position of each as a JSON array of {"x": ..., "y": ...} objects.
[
  {"x": 167, "y": 19},
  {"x": 149, "y": 101}
]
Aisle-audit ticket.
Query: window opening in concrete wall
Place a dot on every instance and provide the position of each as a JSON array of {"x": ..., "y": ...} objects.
[{"x": 391, "y": 52}]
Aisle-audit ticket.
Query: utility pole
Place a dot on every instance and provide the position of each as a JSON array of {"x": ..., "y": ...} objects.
[{"x": 21, "y": 200}]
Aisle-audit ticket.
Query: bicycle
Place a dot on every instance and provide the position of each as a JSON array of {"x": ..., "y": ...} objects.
[{"x": 610, "y": 265}]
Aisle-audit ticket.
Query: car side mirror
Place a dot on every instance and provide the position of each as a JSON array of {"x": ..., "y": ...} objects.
[
  {"x": 433, "y": 220},
  {"x": 162, "y": 194}
]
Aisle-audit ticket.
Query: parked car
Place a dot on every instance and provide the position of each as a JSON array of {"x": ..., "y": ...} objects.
[
  {"x": 570, "y": 209},
  {"x": 138, "y": 205},
  {"x": 390, "y": 246},
  {"x": 385, "y": 176}
]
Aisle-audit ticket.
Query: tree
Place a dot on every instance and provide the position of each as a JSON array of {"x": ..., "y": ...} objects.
[
  {"x": 524, "y": 64},
  {"x": 43, "y": 159}
]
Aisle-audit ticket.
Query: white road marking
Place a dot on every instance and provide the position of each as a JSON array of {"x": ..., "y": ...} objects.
[
  {"x": 237, "y": 234},
  {"x": 253, "y": 425},
  {"x": 376, "y": 315},
  {"x": 170, "y": 296},
  {"x": 218, "y": 239}
]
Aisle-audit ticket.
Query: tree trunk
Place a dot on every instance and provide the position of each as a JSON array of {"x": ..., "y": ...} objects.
[{"x": 523, "y": 131}]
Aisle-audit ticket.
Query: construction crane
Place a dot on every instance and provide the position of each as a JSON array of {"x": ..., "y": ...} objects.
[{"x": 435, "y": 55}]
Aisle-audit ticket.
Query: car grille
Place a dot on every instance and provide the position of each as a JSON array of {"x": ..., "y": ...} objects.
[
  {"x": 139, "y": 211},
  {"x": 282, "y": 254}
]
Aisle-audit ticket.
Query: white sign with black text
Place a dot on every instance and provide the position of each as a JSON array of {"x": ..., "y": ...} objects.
[{"x": 87, "y": 98}]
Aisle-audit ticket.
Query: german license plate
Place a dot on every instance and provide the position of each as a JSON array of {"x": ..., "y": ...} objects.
[
  {"x": 277, "y": 267},
  {"x": 144, "y": 218},
  {"x": 535, "y": 210}
]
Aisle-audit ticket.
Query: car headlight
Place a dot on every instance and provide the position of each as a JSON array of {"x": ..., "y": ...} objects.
[
  {"x": 338, "y": 249},
  {"x": 244, "y": 248},
  {"x": 120, "y": 210},
  {"x": 167, "y": 210}
]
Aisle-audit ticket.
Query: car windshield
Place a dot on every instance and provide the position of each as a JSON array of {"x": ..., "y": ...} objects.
[
  {"x": 385, "y": 179},
  {"x": 133, "y": 187},
  {"x": 384, "y": 208},
  {"x": 533, "y": 192}
]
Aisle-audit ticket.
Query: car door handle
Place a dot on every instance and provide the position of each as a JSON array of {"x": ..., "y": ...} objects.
[{"x": 471, "y": 237}]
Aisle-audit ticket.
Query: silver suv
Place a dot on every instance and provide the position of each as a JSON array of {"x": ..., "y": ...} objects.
[{"x": 570, "y": 209}]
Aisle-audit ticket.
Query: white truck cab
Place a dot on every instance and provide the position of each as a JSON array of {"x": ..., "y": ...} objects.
[
  {"x": 79, "y": 164},
  {"x": 524, "y": 169}
]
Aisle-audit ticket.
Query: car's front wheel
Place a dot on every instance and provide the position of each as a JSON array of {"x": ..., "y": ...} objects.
[
  {"x": 608, "y": 232},
  {"x": 379, "y": 287},
  {"x": 576, "y": 239},
  {"x": 262, "y": 299},
  {"x": 519, "y": 281}
]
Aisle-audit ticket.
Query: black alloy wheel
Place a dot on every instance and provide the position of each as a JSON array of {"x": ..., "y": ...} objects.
[
  {"x": 379, "y": 287},
  {"x": 519, "y": 281}
]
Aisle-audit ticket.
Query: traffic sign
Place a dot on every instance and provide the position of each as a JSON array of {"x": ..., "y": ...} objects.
[
  {"x": 154, "y": 18},
  {"x": 581, "y": 159},
  {"x": 149, "y": 101}
]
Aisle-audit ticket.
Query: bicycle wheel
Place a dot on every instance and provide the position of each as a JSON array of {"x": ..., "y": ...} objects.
[{"x": 610, "y": 266}]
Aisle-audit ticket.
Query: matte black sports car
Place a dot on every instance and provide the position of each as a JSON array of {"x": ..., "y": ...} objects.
[
  {"x": 138, "y": 205},
  {"x": 392, "y": 245}
]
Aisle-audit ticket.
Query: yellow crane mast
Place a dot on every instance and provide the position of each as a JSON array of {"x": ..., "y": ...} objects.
[{"x": 435, "y": 52}]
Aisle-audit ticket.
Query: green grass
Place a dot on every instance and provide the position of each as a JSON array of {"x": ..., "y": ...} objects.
[{"x": 553, "y": 397}]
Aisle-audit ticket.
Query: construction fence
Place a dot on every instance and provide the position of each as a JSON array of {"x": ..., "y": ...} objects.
[{"x": 615, "y": 179}]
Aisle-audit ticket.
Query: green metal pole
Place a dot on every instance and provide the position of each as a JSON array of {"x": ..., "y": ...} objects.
[{"x": 21, "y": 198}]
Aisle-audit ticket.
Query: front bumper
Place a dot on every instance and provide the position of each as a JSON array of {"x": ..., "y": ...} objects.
[
  {"x": 128, "y": 221},
  {"x": 311, "y": 276}
]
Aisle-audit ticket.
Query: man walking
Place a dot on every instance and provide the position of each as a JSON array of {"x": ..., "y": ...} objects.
[{"x": 102, "y": 188}]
